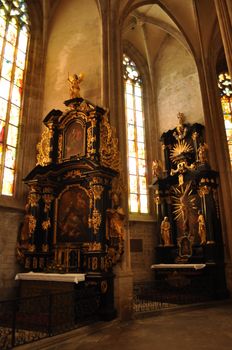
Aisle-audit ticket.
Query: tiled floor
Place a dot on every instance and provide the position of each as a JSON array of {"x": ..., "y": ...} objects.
[{"x": 190, "y": 329}]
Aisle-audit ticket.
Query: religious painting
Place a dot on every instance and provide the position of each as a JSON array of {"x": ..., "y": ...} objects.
[
  {"x": 74, "y": 140},
  {"x": 73, "y": 215}
]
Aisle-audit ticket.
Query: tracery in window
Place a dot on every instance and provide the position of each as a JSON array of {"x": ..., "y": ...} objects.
[
  {"x": 14, "y": 35},
  {"x": 137, "y": 169},
  {"x": 225, "y": 86}
]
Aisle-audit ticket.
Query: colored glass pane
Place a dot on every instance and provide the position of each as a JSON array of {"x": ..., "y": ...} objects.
[
  {"x": 11, "y": 35},
  {"x": 142, "y": 185},
  {"x": 4, "y": 88},
  {"x": 133, "y": 184},
  {"x": 143, "y": 204},
  {"x": 129, "y": 101},
  {"x": 132, "y": 166},
  {"x": 21, "y": 59},
  {"x": 3, "y": 109},
  {"x": 140, "y": 134},
  {"x": 142, "y": 167},
  {"x": 131, "y": 132},
  {"x": 138, "y": 91},
  {"x": 130, "y": 116},
  {"x": 18, "y": 79},
  {"x": 225, "y": 86},
  {"x": 22, "y": 44},
  {"x": 9, "y": 52},
  {"x": 8, "y": 181},
  {"x": 1, "y": 45},
  {"x": 226, "y": 104},
  {"x": 139, "y": 118},
  {"x": 141, "y": 150},
  {"x": 13, "y": 46},
  {"x": 1, "y": 153},
  {"x": 132, "y": 149},
  {"x": 138, "y": 103},
  {"x": 6, "y": 69},
  {"x": 2, "y": 130},
  {"x": 2, "y": 26},
  {"x": 129, "y": 88},
  {"x": 10, "y": 157},
  {"x": 12, "y": 135},
  {"x": 136, "y": 137},
  {"x": 14, "y": 115},
  {"x": 16, "y": 95},
  {"x": 133, "y": 203}
]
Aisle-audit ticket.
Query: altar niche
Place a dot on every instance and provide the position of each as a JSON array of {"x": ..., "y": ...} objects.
[
  {"x": 72, "y": 223},
  {"x": 187, "y": 209}
]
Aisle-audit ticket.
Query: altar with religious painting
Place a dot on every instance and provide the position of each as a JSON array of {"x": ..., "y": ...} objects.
[
  {"x": 189, "y": 250},
  {"x": 74, "y": 223}
]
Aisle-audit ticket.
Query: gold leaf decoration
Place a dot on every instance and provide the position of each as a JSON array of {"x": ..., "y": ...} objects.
[
  {"x": 44, "y": 148},
  {"x": 109, "y": 145},
  {"x": 180, "y": 148}
]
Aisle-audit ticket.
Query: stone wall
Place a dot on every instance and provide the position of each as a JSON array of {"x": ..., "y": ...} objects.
[
  {"x": 143, "y": 239},
  {"x": 177, "y": 86},
  {"x": 8, "y": 238},
  {"x": 74, "y": 46}
]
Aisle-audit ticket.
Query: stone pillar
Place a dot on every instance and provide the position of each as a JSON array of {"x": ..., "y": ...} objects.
[
  {"x": 223, "y": 8},
  {"x": 113, "y": 99}
]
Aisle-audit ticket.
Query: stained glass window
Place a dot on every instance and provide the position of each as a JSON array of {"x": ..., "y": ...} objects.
[
  {"x": 138, "y": 195},
  {"x": 14, "y": 36},
  {"x": 225, "y": 86}
]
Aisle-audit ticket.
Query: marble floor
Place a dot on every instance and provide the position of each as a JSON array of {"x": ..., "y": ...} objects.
[{"x": 204, "y": 328}]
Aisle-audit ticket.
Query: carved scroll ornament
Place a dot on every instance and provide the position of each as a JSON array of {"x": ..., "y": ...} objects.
[
  {"x": 44, "y": 147},
  {"x": 109, "y": 146}
]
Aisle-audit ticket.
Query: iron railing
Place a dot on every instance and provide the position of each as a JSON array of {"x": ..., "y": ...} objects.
[
  {"x": 160, "y": 294},
  {"x": 25, "y": 320}
]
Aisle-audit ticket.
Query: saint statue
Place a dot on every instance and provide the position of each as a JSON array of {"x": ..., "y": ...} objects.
[
  {"x": 116, "y": 216},
  {"x": 166, "y": 231},
  {"x": 156, "y": 168},
  {"x": 181, "y": 130},
  {"x": 201, "y": 227},
  {"x": 202, "y": 153},
  {"x": 75, "y": 81}
]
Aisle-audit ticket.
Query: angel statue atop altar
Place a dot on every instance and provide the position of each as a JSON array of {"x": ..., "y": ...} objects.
[{"x": 75, "y": 81}]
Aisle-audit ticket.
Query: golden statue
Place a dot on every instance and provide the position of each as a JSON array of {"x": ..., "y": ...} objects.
[
  {"x": 166, "y": 231},
  {"x": 201, "y": 227},
  {"x": 115, "y": 227},
  {"x": 75, "y": 81},
  {"x": 156, "y": 168},
  {"x": 181, "y": 130},
  {"x": 202, "y": 153}
]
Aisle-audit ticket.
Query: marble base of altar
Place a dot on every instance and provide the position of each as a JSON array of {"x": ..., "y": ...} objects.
[
  {"x": 203, "y": 279},
  {"x": 33, "y": 283}
]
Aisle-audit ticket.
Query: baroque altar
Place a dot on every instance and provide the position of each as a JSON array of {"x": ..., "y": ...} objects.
[
  {"x": 187, "y": 209},
  {"x": 73, "y": 220}
]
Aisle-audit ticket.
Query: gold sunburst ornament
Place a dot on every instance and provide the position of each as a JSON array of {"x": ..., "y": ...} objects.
[
  {"x": 184, "y": 204},
  {"x": 180, "y": 148}
]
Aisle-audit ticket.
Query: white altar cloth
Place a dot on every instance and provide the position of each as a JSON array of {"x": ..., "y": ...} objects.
[
  {"x": 178, "y": 266},
  {"x": 51, "y": 277}
]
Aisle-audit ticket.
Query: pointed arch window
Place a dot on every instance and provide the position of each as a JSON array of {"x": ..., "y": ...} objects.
[
  {"x": 225, "y": 86},
  {"x": 137, "y": 167},
  {"x": 14, "y": 37}
]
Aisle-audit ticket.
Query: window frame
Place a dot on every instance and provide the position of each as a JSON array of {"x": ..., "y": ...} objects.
[
  {"x": 137, "y": 215},
  {"x": 21, "y": 25}
]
